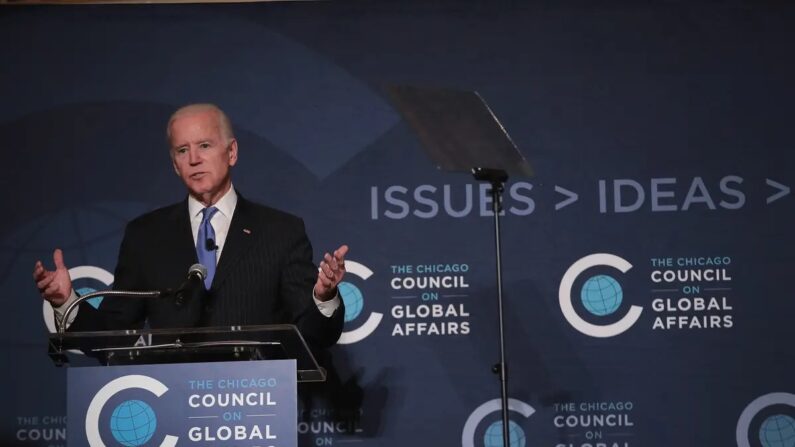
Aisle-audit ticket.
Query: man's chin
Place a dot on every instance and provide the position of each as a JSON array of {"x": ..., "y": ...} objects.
[
  {"x": 198, "y": 186},
  {"x": 204, "y": 195},
  {"x": 199, "y": 193}
]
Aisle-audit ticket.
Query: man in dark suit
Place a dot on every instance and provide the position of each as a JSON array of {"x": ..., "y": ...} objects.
[{"x": 259, "y": 259}]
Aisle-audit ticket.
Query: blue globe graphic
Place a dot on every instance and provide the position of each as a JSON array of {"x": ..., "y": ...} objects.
[
  {"x": 96, "y": 301},
  {"x": 353, "y": 299},
  {"x": 601, "y": 295},
  {"x": 133, "y": 423},
  {"x": 493, "y": 436},
  {"x": 778, "y": 431}
]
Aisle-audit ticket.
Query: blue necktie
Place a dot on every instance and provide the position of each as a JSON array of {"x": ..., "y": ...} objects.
[{"x": 206, "y": 248}]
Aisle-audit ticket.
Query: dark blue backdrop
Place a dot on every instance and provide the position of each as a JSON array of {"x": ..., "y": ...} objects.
[{"x": 670, "y": 122}]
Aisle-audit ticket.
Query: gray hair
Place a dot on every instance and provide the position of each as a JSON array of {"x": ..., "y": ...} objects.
[{"x": 223, "y": 120}]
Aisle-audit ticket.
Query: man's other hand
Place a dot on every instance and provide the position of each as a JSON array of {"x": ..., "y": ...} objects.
[
  {"x": 54, "y": 286},
  {"x": 330, "y": 273}
]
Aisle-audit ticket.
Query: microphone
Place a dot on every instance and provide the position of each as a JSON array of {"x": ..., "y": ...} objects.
[
  {"x": 209, "y": 244},
  {"x": 195, "y": 282}
]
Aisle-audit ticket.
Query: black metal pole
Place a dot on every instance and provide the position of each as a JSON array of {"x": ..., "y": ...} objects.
[
  {"x": 500, "y": 368},
  {"x": 497, "y": 178}
]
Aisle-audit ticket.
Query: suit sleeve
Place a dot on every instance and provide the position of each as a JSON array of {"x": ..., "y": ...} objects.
[
  {"x": 296, "y": 283},
  {"x": 116, "y": 313}
]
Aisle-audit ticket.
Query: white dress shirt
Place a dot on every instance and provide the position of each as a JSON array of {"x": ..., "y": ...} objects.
[{"x": 220, "y": 221}]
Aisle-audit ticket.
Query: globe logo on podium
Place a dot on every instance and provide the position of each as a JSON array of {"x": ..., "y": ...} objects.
[
  {"x": 493, "y": 436},
  {"x": 778, "y": 431},
  {"x": 353, "y": 299},
  {"x": 601, "y": 295},
  {"x": 133, "y": 423}
]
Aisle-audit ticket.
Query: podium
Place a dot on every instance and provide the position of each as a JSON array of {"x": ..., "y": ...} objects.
[{"x": 210, "y": 385}]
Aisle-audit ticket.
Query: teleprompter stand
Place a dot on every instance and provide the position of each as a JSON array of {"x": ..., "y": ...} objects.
[{"x": 461, "y": 134}]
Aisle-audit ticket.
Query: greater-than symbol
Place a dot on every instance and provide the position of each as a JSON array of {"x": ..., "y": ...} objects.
[
  {"x": 782, "y": 190},
  {"x": 571, "y": 197}
]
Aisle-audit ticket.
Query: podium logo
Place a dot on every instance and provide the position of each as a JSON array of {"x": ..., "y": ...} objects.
[
  {"x": 79, "y": 275},
  {"x": 353, "y": 298},
  {"x": 492, "y": 436},
  {"x": 770, "y": 419},
  {"x": 601, "y": 295},
  {"x": 133, "y": 422}
]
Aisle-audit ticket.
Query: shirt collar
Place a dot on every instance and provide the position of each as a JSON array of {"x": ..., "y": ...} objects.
[{"x": 226, "y": 205}]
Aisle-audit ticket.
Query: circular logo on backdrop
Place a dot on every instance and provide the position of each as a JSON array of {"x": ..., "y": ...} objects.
[
  {"x": 492, "y": 437},
  {"x": 353, "y": 298},
  {"x": 768, "y": 419},
  {"x": 777, "y": 430},
  {"x": 601, "y": 295}
]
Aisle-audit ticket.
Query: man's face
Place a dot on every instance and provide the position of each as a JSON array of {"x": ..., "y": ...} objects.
[{"x": 202, "y": 154}]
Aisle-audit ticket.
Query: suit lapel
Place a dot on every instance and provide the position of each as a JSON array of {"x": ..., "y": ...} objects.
[
  {"x": 184, "y": 244},
  {"x": 238, "y": 241}
]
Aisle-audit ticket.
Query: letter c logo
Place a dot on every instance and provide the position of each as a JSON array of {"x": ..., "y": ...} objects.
[
  {"x": 566, "y": 305},
  {"x": 113, "y": 387}
]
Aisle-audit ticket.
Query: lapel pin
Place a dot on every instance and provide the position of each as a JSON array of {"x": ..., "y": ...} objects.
[{"x": 246, "y": 230}]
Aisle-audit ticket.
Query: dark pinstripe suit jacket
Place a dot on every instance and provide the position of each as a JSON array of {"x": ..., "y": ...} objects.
[{"x": 265, "y": 276}]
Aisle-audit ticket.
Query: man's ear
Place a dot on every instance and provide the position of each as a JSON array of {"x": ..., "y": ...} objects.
[
  {"x": 174, "y": 163},
  {"x": 232, "y": 148}
]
